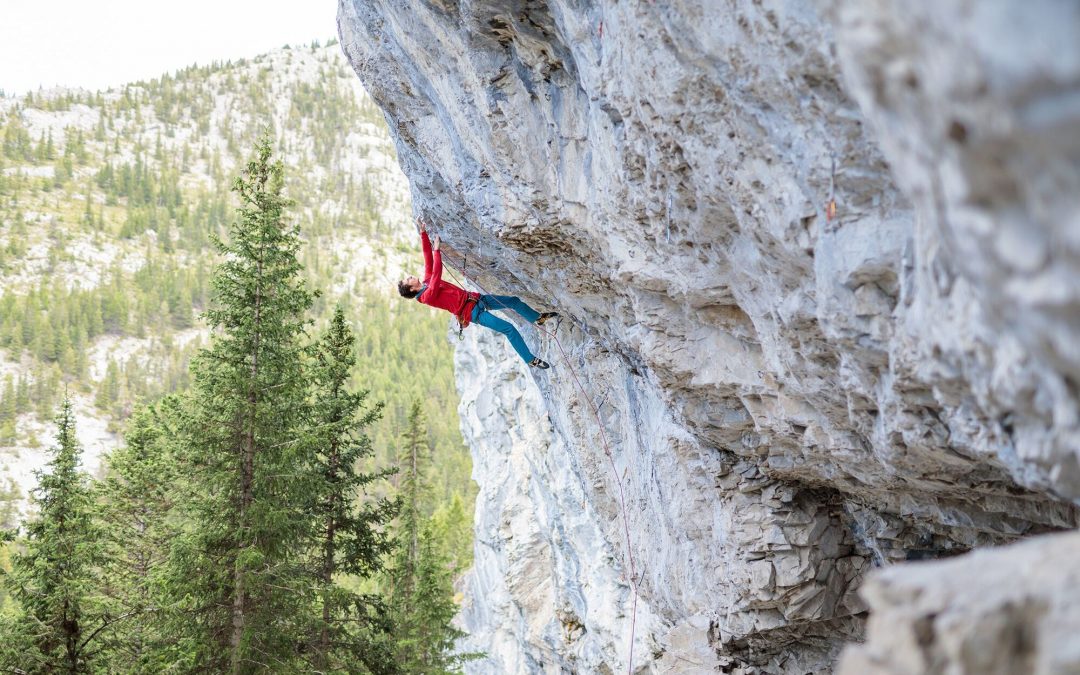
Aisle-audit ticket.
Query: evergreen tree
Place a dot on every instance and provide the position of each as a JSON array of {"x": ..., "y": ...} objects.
[
  {"x": 413, "y": 459},
  {"x": 349, "y": 536},
  {"x": 430, "y": 639},
  {"x": 22, "y": 395},
  {"x": 136, "y": 499},
  {"x": 109, "y": 390},
  {"x": 451, "y": 524},
  {"x": 8, "y": 403},
  {"x": 421, "y": 590},
  {"x": 9, "y": 410},
  {"x": 53, "y": 580},
  {"x": 9, "y": 498},
  {"x": 235, "y": 572}
]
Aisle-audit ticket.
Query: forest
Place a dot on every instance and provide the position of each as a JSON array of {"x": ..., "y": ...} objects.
[{"x": 291, "y": 492}]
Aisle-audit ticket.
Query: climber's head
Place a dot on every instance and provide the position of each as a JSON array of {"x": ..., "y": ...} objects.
[{"x": 409, "y": 287}]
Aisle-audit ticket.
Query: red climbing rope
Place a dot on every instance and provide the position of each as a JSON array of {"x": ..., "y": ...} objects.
[
  {"x": 622, "y": 495},
  {"x": 632, "y": 578}
]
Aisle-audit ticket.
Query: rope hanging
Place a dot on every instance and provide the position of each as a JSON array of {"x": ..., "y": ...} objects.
[{"x": 632, "y": 577}]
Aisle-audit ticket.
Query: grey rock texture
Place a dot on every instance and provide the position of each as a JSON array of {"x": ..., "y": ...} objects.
[
  {"x": 543, "y": 594},
  {"x": 789, "y": 398},
  {"x": 994, "y": 612},
  {"x": 981, "y": 126}
]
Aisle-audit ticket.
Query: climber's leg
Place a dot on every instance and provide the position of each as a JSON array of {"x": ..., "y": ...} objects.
[
  {"x": 511, "y": 302},
  {"x": 489, "y": 320}
]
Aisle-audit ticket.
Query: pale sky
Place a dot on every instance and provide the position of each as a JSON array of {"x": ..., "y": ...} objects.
[{"x": 96, "y": 44}]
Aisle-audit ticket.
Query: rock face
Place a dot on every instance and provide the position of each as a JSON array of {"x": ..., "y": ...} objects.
[
  {"x": 543, "y": 577},
  {"x": 789, "y": 396},
  {"x": 1000, "y": 612}
]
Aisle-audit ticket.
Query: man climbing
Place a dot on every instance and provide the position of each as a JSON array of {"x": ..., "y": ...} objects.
[{"x": 470, "y": 307}]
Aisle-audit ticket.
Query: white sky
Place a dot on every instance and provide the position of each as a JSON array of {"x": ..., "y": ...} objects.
[{"x": 96, "y": 44}]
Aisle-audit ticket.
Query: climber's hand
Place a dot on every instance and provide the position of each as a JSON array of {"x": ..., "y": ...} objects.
[
  {"x": 421, "y": 224},
  {"x": 437, "y": 243}
]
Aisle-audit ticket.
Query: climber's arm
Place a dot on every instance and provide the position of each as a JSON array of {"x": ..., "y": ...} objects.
[
  {"x": 426, "y": 245},
  {"x": 436, "y": 266}
]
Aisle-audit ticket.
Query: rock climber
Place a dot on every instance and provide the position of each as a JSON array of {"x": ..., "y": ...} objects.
[{"x": 470, "y": 307}]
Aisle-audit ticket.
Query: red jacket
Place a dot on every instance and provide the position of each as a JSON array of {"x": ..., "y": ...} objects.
[{"x": 443, "y": 294}]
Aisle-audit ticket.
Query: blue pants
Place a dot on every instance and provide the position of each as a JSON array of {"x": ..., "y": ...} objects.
[{"x": 483, "y": 316}]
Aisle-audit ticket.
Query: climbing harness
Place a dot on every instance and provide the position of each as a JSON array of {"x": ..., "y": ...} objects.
[
  {"x": 632, "y": 578},
  {"x": 477, "y": 301}
]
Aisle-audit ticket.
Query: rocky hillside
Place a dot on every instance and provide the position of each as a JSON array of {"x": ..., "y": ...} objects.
[
  {"x": 792, "y": 395},
  {"x": 108, "y": 205}
]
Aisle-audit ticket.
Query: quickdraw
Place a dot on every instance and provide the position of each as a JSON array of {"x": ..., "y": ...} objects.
[{"x": 830, "y": 206}]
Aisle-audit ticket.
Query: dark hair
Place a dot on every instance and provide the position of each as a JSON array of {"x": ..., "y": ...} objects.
[{"x": 406, "y": 292}]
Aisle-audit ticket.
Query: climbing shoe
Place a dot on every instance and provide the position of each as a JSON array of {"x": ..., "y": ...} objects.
[
  {"x": 544, "y": 318},
  {"x": 539, "y": 363}
]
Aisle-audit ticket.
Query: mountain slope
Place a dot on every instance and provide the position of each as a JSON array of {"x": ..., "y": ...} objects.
[{"x": 108, "y": 205}]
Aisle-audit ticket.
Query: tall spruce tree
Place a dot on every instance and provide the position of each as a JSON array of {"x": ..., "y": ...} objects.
[
  {"x": 235, "y": 573},
  {"x": 136, "y": 499},
  {"x": 452, "y": 525},
  {"x": 420, "y": 584},
  {"x": 350, "y": 630},
  {"x": 54, "y": 579},
  {"x": 413, "y": 489}
]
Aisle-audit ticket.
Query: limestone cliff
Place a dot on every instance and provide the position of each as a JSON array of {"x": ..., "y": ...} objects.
[
  {"x": 791, "y": 397},
  {"x": 994, "y": 612}
]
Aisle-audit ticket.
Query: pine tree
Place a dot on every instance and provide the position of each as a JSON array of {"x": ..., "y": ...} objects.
[
  {"x": 54, "y": 579},
  {"x": 421, "y": 591},
  {"x": 349, "y": 537},
  {"x": 109, "y": 389},
  {"x": 236, "y": 569},
  {"x": 9, "y": 513},
  {"x": 81, "y": 363},
  {"x": 452, "y": 525},
  {"x": 431, "y": 640},
  {"x": 136, "y": 497},
  {"x": 8, "y": 403},
  {"x": 88, "y": 213},
  {"x": 22, "y": 395},
  {"x": 413, "y": 460}
]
